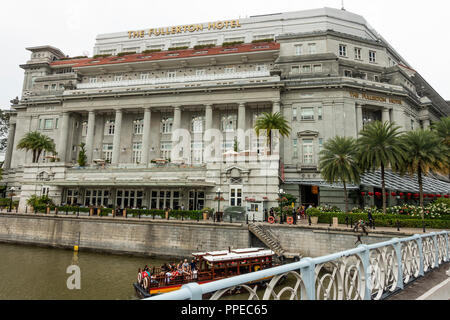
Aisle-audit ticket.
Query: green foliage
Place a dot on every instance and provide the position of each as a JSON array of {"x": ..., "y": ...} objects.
[
  {"x": 446, "y": 201},
  {"x": 126, "y": 53},
  {"x": 271, "y": 122},
  {"x": 42, "y": 201},
  {"x": 178, "y": 48},
  {"x": 4, "y": 129},
  {"x": 151, "y": 51},
  {"x": 263, "y": 40},
  {"x": 37, "y": 143},
  {"x": 339, "y": 163},
  {"x": 231, "y": 44},
  {"x": 101, "y": 56},
  {"x": 287, "y": 200},
  {"x": 82, "y": 158},
  {"x": 204, "y": 46}
]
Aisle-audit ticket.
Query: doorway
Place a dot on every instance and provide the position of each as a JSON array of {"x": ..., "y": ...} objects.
[{"x": 309, "y": 195}]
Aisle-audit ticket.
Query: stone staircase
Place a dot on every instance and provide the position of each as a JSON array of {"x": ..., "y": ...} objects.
[{"x": 271, "y": 242}]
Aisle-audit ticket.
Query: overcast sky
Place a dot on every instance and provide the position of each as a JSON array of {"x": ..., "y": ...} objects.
[{"x": 418, "y": 30}]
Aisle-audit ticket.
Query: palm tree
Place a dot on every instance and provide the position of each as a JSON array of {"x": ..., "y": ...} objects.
[
  {"x": 37, "y": 143},
  {"x": 380, "y": 147},
  {"x": 442, "y": 129},
  {"x": 339, "y": 163},
  {"x": 270, "y": 122},
  {"x": 424, "y": 153}
]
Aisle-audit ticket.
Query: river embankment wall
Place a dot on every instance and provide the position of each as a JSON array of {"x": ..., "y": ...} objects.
[{"x": 168, "y": 238}]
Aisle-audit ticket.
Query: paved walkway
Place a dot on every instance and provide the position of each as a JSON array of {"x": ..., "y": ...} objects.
[{"x": 433, "y": 286}]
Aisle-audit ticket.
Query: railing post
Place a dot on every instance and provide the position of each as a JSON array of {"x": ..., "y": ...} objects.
[
  {"x": 309, "y": 278},
  {"x": 436, "y": 260},
  {"x": 365, "y": 257},
  {"x": 398, "y": 253},
  {"x": 447, "y": 256},
  {"x": 195, "y": 290},
  {"x": 420, "y": 245}
]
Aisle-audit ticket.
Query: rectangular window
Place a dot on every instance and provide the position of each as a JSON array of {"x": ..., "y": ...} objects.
[
  {"x": 166, "y": 150},
  {"x": 320, "y": 145},
  {"x": 348, "y": 73},
  {"x": 317, "y": 68},
  {"x": 200, "y": 72},
  {"x": 118, "y": 77},
  {"x": 320, "y": 113},
  {"x": 236, "y": 197},
  {"x": 261, "y": 67},
  {"x": 197, "y": 152},
  {"x": 93, "y": 80},
  {"x": 72, "y": 197},
  {"x": 144, "y": 76},
  {"x": 358, "y": 55},
  {"x": 298, "y": 50},
  {"x": 84, "y": 128},
  {"x": 107, "y": 152},
  {"x": 307, "y": 113},
  {"x": 48, "y": 124},
  {"x": 295, "y": 69},
  {"x": 56, "y": 123},
  {"x": 412, "y": 124},
  {"x": 312, "y": 48},
  {"x": 53, "y": 86},
  {"x": 372, "y": 56},
  {"x": 229, "y": 70},
  {"x": 197, "y": 124},
  {"x": 308, "y": 151},
  {"x": 137, "y": 152},
  {"x": 306, "y": 68},
  {"x": 171, "y": 74},
  {"x": 138, "y": 125},
  {"x": 110, "y": 127},
  {"x": 166, "y": 125},
  {"x": 295, "y": 149},
  {"x": 294, "y": 114},
  {"x": 342, "y": 50}
]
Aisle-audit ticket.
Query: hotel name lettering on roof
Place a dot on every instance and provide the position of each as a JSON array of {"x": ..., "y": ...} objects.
[
  {"x": 228, "y": 24},
  {"x": 375, "y": 98}
]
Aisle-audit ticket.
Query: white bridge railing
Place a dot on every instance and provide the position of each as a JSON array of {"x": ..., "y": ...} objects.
[{"x": 368, "y": 272}]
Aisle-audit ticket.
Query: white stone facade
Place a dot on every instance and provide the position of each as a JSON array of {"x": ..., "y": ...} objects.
[{"x": 326, "y": 70}]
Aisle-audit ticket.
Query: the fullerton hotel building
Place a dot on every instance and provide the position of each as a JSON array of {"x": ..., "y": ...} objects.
[{"x": 167, "y": 114}]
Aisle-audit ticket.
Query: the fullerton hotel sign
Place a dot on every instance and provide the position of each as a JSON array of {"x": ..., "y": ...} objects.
[
  {"x": 220, "y": 25},
  {"x": 370, "y": 97}
]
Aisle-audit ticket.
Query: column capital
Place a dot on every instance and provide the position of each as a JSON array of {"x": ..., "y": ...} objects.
[
  {"x": 242, "y": 104},
  {"x": 118, "y": 110}
]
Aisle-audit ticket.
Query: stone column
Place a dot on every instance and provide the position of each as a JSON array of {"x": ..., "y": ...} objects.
[
  {"x": 146, "y": 136},
  {"x": 241, "y": 127},
  {"x": 176, "y": 118},
  {"x": 208, "y": 117},
  {"x": 276, "y": 107},
  {"x": 10, "y": 147},
  {"x": 90, "y": 137},
  {"x": 359, "y": 119},
  {"x": 386, "y": 115},
  {"x": 175, "y": 134},
  {"x": 116, "y": 141},
  {"x": 64, "y": 137},
  {"x": 426, "y": 124}
]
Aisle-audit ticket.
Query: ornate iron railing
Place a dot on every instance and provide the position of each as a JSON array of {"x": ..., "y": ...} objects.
[{"x": 368, "y": 272}]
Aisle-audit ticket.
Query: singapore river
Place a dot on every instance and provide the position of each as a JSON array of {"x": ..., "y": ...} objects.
[{"x": 34, "y": 273}]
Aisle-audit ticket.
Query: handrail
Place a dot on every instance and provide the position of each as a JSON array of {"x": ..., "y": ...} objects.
[{"x": 402, "y": 260}]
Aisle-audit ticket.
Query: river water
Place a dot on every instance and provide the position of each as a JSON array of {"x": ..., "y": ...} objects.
[{"x": 35, "y": 273}]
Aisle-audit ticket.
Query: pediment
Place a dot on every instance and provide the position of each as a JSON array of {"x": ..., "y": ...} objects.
[{"x": 308, "y": 133}]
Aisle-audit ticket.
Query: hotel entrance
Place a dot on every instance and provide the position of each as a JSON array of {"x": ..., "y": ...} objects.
[{"x": 309, "y": 195}]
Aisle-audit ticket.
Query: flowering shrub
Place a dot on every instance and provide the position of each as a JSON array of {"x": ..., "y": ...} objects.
[{"x": 432, "y": 211}]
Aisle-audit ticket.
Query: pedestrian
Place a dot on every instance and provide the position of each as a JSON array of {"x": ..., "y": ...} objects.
[{"x": 370, "y": 217}]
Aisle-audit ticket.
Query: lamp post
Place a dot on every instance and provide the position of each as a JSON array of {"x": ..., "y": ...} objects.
[
  {"x": 219, "y": 195},
  {"x": 281, "y": 205},
  {"x": 11, "y": 200}
]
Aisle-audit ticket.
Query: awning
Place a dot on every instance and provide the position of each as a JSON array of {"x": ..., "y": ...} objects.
[{"x": 394, "y": 182}]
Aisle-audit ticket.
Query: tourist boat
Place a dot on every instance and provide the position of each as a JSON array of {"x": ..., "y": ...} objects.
[{"x": 210, "y": 266}]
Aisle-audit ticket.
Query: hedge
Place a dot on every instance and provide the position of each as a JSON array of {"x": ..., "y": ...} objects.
[
  {"x": 178, "y": 214},
  {"x": 385, "y": 220}
]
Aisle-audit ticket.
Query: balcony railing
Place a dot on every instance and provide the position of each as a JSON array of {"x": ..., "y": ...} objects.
[
  {"x": 368, "y": 272},
  {"x": 156, "y": 81}
]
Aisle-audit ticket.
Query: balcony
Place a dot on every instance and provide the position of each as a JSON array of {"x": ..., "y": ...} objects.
[{"x": 173, "y": 80}]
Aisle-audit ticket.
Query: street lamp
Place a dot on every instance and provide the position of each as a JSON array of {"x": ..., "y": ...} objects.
[
  {"x": 219, "y": 195},
  {"x": 11, "y": 200},
  {"x": 281, "y": 205}
]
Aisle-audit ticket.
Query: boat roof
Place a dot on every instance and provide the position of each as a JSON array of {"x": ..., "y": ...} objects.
[{"x": 236, "y": 254}]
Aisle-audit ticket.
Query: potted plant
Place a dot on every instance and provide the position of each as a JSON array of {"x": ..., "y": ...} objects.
[
  {"x": 207, "y": 212},
  {"x": 314, "y": 214}
]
